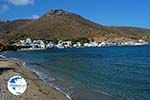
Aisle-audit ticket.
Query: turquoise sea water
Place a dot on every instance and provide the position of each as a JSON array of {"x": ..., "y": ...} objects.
[{"x": 89, "y": 73}]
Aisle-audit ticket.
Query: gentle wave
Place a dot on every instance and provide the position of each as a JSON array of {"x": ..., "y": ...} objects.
[{"x": 43, "y": 77}]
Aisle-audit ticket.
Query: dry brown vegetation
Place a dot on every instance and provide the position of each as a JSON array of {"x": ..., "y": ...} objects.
[{"x": 59, "y": 24}]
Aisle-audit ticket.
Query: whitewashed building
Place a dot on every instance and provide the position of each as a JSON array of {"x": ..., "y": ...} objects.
[
  {"x": 38, "y": 44},
  {"x": 28, "y": 41},
  {"x": 77, "y": 45},
  {"x": 50, "y": 45}
]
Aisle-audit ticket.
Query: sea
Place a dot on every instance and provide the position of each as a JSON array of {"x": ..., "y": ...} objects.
[{"x": 104, "y": 73}]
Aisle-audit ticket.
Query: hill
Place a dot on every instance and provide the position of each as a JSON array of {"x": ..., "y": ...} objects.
[
  {"x": 60, "y": 24},
  {"x": 6, "y": 27}
]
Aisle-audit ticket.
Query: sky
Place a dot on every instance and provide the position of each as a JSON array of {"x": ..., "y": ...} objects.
[{"x": 107, "y": 12}]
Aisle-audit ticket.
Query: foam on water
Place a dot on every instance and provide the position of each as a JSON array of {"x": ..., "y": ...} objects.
[
  {"x": 44, "y": 77},
  {"x": 93, "y": 73},
  {"x": 47, "y": 79}
]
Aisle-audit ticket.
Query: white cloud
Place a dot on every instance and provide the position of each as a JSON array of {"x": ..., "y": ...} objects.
[
  {"x": 3, "y": 8},
  {"x": 21, "y": 2},
  {"x": 34, "y": 17}
]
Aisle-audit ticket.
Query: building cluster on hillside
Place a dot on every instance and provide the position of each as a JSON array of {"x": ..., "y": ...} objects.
[{"x": 29, "y": 44}]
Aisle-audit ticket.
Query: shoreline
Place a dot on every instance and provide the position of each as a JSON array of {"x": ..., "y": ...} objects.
[
  {"x": 110, "y": 96},
  {"x": 35, "y": 73},
  {"x": 86, "y": 47},
  {"x": 51, "y": 85},
  {"x": 36, "y": 88}
]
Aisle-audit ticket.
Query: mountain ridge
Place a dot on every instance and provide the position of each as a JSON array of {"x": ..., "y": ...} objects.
[{"x": 60, "y": 24}]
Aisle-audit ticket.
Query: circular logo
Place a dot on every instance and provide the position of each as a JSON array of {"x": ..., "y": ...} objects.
[{"x": 17, "y": 85}]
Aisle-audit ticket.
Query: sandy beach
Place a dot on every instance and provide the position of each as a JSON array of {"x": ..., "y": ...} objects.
[{"x": 36, "y": 88}]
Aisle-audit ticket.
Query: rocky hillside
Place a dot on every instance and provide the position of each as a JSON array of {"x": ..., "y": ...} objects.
[
  {"x": 60, "y": 24},
  {"x": 132, "y": 32},
  {"x": 7, "y": 26}
]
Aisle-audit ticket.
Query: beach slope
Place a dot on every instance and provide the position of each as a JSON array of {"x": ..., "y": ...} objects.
[{"x": 36, "y": 89}]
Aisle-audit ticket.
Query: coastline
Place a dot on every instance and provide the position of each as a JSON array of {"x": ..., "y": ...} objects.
[
  {"x": 40, "y": 75},
  {"x": 36, "y": 87},
  {"x": 37, "y": 72}
]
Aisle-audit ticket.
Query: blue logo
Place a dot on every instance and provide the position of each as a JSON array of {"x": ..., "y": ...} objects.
[{"x": 17, "y": 85}]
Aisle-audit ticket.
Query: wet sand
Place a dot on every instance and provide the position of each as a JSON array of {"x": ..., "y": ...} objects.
[{"x": 36, "y": 88}]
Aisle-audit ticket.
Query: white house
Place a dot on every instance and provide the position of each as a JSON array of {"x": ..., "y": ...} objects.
[
  {"x": 38, "y": 44},
  {"x": 67, "y": 44},
  {"x": 93, "y": 44},
  {"x": 87, "y": 45},
  {"x": 28, "y": 41},
  {"x": 77, "y": 45},
  {"x": 59, "y": 45},
  {"x": 64, "y": 44},
  {"x": 50, "y": 45}
]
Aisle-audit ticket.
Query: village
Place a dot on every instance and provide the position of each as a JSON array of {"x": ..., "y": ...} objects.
[{"x": 29, "y": 44}]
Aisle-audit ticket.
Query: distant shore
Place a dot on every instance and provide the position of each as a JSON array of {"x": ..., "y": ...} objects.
[
  {"x": 36, "y": 88},
  {"x": 30, "y": 44}
]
